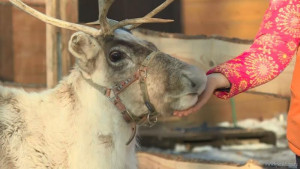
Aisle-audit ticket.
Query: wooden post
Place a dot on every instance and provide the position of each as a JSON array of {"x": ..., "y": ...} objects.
[
  {"x": 59, "y": 60},
  {"x": 150, "y": 161},
  {"x": 67, "y": 7},
  {"x": 51, "y": 45}
]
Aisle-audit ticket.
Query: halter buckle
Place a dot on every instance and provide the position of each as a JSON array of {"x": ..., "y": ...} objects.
[
  {"x": 143, "y": 72},
  {"x": 149, "y": 106}
]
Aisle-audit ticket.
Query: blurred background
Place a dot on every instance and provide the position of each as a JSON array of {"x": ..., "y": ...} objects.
[{"x": 205, "y": 33}]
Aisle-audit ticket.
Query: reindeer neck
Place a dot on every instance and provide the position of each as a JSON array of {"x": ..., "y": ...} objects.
[
  {"x": 93, "y": 121},
  {"x": 83, "y": 97}
]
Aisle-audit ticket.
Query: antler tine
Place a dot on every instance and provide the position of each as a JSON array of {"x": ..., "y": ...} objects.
[
  {"x": 104, "y": 6},
  {"x": 54, "y": 21},
  {"x": 154, "y": 12},
  {"x": 138, "y": 21}
]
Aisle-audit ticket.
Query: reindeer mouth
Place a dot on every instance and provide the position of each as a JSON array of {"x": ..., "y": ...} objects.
[
  {"x": 186, "y": 102},
  {"x": 189, "y": 110},
  {"x": 193, "y": 99},
  {"x": 194, "y": 103}
]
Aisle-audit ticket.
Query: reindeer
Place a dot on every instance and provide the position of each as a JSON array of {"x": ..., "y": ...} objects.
[{"x": 88, "y": 121}]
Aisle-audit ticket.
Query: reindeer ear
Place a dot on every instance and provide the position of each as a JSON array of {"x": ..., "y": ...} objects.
[{"x": 83, "y": 46}]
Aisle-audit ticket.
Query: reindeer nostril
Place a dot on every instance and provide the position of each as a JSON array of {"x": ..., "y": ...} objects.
[
  {"x": 190, "y": 80},
  {"x": 193, "y": 84},
  {"x": 194, "y": 79}
]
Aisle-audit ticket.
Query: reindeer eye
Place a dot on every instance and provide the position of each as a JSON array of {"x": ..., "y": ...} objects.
[{"x": 116, "y": 56}]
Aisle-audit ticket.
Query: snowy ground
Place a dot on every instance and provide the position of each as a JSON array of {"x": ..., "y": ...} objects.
[{"x": 267, "y": 155}]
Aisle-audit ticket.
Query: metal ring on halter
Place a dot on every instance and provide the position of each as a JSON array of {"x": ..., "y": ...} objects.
[{"x": 150, "y": 121}]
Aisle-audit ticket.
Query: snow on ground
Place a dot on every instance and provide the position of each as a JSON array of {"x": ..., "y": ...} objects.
[
  {"x": 262, "y": 153},
  {"x": 265, "y": 154},
  {"x": 276, "y": 124}
]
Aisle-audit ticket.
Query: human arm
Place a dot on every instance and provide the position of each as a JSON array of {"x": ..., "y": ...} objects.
[{"x": 272, "y": 50}]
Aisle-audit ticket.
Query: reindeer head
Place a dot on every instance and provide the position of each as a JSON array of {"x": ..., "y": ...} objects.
[{"x": 132, "y": 70}]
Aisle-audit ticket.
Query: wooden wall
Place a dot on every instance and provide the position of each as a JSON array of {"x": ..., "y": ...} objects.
[
  {"x": 22, "y": 54},
  {"x": 23, "y": 43},
  {"x": 29, "y": 49},
  {"x": 229, "y": 18},
  {"x": 6, "y": 41}
]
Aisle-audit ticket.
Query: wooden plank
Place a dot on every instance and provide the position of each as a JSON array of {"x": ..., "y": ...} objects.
[
  {"x": 203, "y": 51},
  {"x": 29, "y": 48},
  {"x": 26, "y": 87},
  {"x": 165, "y": 137},
  {"x": 230, "y": 18},
  {"x": 151, "y": 161},
  {"x": 248, "y": 105},
  {"x": 67, "y": 7},
  {"x": 52, "y": 44},
  {"x": 6, "y": 43},
  {"x": 207, "y": 52}
]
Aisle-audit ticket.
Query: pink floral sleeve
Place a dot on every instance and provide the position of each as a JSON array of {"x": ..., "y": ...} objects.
[{"x": 273, "y": 48}]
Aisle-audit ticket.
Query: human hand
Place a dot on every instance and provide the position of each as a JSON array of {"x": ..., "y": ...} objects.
[{"x": 214, "y": 81}]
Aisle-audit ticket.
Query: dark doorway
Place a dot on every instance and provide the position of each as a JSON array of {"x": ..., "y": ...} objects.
[{"x": 124, "y": 9}]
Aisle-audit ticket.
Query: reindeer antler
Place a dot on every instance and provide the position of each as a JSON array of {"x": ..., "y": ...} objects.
[
  {"x": 54, "y": 21},
  {"x": 154, "y": 12},
  {"x": 107, "y": 25},
  {"x": 104, "y": 6},
  {"x": 132, "y": 23}
]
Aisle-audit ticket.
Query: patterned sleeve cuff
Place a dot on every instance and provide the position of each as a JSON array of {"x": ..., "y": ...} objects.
[{"x": 237, "y": 85}]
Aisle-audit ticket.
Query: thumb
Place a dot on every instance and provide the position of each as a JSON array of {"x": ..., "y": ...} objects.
[{"x": 202, "y": 100}]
